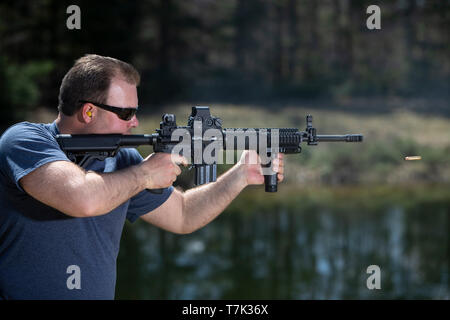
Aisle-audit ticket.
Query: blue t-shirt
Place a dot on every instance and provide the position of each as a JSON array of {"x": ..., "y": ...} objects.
[{"x": 44, "y": 253}]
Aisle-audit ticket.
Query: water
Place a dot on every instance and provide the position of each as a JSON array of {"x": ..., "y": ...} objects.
[{"x": 298, "y": 244}]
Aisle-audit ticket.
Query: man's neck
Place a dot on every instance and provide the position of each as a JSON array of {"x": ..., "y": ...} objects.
[{"x": 65, "y": 125}]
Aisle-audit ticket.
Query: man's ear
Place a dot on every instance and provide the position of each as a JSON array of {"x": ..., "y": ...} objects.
[{"x": 87, "y": 113}]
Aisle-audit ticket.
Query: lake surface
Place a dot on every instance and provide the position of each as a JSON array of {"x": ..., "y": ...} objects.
[{"x": 299, "y": 244}]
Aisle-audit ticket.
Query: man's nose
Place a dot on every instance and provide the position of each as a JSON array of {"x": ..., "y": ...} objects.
[{"x": 134, "y": 122}]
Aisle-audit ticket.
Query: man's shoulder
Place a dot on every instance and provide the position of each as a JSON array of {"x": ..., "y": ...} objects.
[
  {"x": 26, "y": 125},
  {"x": 26, "y": 134},
  {"x": 26, "y": 128},
  {"x": 26, "y": 146}
]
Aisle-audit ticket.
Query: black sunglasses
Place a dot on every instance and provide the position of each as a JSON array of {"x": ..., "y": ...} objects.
[{"x": 123, "y": 113}]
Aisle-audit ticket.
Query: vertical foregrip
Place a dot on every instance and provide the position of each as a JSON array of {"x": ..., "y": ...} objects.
[
  {"x": 289, "y": 140},
  {"x": 270, "y": 180}
]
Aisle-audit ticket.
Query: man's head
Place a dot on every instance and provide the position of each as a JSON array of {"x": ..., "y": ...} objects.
[{"x": 95, "y": 81}]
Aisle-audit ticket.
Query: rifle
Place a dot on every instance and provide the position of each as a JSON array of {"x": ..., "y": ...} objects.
[{"x": 203, "y": 132}]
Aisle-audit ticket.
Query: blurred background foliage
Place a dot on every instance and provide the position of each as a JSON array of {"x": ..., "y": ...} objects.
[
  {"x": 282, "y": 58},
  {"x": 254, "y": 51}
]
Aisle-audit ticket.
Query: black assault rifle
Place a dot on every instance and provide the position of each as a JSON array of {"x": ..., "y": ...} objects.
[{"x": 202, "y": 133}]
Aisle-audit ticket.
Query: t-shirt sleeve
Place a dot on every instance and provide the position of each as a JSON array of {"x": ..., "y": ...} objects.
[
  {"x": 145, "y": 201},
  {"x": 24, "y": 148}
]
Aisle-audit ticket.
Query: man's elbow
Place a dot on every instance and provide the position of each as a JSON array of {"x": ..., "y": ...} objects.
[
  {"x": 89, "y": 206},
  {"x": 186, "y": 226},
  {"x": 80, "y": 204},
  {"x": 75, "y": 202},
  {"x": 86, "y": 211},
  {"x": 78, "y": 210},
  {"x": 185, "y": 230}
]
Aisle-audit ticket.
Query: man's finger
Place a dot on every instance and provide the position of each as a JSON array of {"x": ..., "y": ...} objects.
[
  {"x": 278, "y": 163},
  {"x": 179, "y": 160}
]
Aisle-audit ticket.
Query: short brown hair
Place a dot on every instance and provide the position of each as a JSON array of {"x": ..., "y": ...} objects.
[{"x": 90, "y": 78}]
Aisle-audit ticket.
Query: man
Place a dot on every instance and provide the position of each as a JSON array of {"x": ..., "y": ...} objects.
[{"x": 60, "y": 225}]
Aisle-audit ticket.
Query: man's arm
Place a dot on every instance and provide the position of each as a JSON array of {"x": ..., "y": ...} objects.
[
  {"x": 79, "y": 193},
  {"x": 187, "y": 212}
]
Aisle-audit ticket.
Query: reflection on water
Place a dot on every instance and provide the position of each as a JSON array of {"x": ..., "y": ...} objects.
[{"x": 298, "y": 244}]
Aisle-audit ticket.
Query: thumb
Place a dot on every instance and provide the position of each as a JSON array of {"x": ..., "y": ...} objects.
[{"x": 179, "y": 160}]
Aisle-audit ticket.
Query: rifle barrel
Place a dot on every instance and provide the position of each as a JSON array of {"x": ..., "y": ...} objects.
[{"x": 346, "y": 138}]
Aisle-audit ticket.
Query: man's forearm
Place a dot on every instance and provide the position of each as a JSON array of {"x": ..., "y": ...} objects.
[{"x": 205, "y": 203}]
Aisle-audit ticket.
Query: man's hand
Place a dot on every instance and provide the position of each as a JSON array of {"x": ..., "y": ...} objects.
[
  {"x": 251, "y": 166},
  {"x": 161, "y": 169}
]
